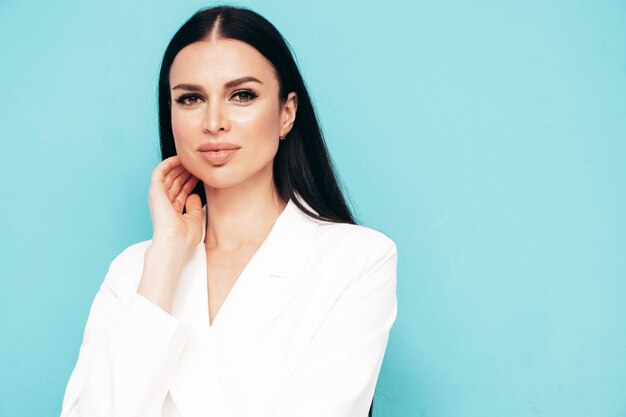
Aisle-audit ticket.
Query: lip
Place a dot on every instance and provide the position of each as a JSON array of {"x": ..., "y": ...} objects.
[
  {"x": 217, "y": 146},
  {"x": 218, "y": 153}
]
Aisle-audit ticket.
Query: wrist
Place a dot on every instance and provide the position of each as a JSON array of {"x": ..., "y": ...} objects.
[
  {"x": 163, "y": 264},
  {"x": 175, "y": 245}
]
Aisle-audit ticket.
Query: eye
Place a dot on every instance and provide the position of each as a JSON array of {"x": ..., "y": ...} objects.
[
  {"x": 188, "y": 99},
  {"x": 244, "y": 95}
]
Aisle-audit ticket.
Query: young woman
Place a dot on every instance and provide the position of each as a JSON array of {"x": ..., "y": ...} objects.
[{"x": 257, "y": 294}]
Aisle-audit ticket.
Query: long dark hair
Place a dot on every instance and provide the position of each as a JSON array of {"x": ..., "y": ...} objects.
[{"x": 302, "y": 167}]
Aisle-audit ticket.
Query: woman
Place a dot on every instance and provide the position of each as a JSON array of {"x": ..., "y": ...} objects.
[{"x": 257, "y": 295}]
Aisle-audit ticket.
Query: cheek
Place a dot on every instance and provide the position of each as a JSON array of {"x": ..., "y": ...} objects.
[
  {"x": 265, "y": 140},
  {"x": 183, "y": 131},
  {"x": 262, "y": 127}
]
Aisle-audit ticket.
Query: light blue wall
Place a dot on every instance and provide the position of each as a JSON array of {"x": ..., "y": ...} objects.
[{"x": 487, "y": 138}]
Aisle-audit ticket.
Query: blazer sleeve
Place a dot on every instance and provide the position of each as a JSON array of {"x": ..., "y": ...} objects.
[
  {"x": 337, "y": 374},
  {"x": 129, "y": 351}
]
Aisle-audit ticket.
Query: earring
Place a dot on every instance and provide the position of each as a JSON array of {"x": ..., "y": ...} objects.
[{"x": 281, "y": 137}]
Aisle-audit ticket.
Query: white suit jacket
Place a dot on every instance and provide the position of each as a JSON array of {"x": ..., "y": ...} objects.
[{"x": 302, "y": 332}]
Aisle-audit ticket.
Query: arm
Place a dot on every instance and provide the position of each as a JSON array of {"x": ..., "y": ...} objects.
[
  {"x": 131, "y": 344},
  {"x": 129, "y": 351},
  {"x": 337, "y": 374}
]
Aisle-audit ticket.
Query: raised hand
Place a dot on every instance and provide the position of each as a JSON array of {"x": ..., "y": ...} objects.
[{"x": 170, "y": 188}]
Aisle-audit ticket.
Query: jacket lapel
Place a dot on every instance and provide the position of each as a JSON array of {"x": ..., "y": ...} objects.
[
  {"x": 191, "y": 389},
  {"x": 265, "y": 287},
  {"x": 268, "y": 283}
]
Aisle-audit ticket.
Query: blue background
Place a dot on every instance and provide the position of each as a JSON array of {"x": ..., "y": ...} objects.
[{"x": 488, "y": 139}]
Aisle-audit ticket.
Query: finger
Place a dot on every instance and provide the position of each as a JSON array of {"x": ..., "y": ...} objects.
[
  {"x": 193, "y": 206},
  {"x": 158, "y": 174},
  {"x": 178, "y": 200},
  {"x": 189, "y": 185},
  {"x": 173, "y": 174},
  {"x": 186, "y": 189},
  {"x": 178, "y": 183},
  {"x": 178, "y": 206}
]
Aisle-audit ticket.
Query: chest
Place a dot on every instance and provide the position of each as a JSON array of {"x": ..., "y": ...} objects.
[{"x": 223, "y": 270}]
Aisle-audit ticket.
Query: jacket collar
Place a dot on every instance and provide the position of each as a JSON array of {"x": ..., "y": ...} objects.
[
  {"x": 286, "y": 246},
  {"x": 273, "y": 277}
]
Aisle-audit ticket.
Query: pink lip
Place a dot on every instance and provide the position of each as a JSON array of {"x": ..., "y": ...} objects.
[
  {"x": 218, "y": 153},
  {"x": 219, "y": 146}
]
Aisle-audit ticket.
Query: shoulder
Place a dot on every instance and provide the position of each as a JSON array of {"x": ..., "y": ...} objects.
[
  {"x": 125, "y": 270},
  {"x": 336, "y": 242},
  {"x": 354, "y": 235},
  {"x": 362, "y": 245},
  {"x": 352, "y": 257},
  {"x": 131, "y": 257}
]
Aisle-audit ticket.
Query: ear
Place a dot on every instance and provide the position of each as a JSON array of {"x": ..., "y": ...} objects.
[{"x": 288, "y": 113}]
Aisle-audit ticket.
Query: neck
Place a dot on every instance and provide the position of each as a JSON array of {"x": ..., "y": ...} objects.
[{"x": 241, "y": 216}]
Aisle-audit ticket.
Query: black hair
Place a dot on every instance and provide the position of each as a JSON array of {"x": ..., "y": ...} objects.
[{"x": 302, "y": 167}]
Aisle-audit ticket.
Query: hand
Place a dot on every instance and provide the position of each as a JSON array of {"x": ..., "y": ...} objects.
[{"x": 170, "y": 188}]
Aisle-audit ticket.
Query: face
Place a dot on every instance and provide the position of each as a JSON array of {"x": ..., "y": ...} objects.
[{"x": 227, "y": 116}]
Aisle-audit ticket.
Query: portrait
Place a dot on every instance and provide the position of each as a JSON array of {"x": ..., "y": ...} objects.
[{"x": 283, "y": 209}]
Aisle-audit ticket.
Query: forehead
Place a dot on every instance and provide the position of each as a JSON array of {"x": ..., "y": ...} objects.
[{"x": 219, "y": 61}]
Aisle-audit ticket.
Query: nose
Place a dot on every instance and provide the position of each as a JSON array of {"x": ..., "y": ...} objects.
[{"x": 215, "y": 119}]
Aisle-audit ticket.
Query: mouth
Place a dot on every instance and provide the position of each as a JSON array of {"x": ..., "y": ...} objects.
[
  {"x": 217, "y": 146},
  {"x": 220, "y": 156}
]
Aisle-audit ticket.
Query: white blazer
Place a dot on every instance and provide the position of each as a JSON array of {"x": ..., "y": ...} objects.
[{"x": 302, "y": 333}]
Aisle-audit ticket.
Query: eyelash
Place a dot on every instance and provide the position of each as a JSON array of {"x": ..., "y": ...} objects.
[
  {"x": 251, "y": 95},
  {"x": 182, "y": 99}
]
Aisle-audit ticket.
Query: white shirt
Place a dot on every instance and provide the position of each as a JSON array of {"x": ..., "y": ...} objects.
[{"x": 302, "y": 332}]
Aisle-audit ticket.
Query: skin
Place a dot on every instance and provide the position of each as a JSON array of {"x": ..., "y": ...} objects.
[{"x": 242, "y": 203}]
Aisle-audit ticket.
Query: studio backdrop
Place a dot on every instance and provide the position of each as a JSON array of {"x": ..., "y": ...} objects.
[{"x": 487, "y": 138}]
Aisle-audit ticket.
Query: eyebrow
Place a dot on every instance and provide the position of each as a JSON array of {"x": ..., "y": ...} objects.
[{"x": 230, "y": 84}]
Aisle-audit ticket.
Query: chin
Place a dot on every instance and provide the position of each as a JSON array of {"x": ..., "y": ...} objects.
[
  {"x": 211, "y": 176},
  {"x": 221, "y": 178},
  {"x": 235, "y": 173}
]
